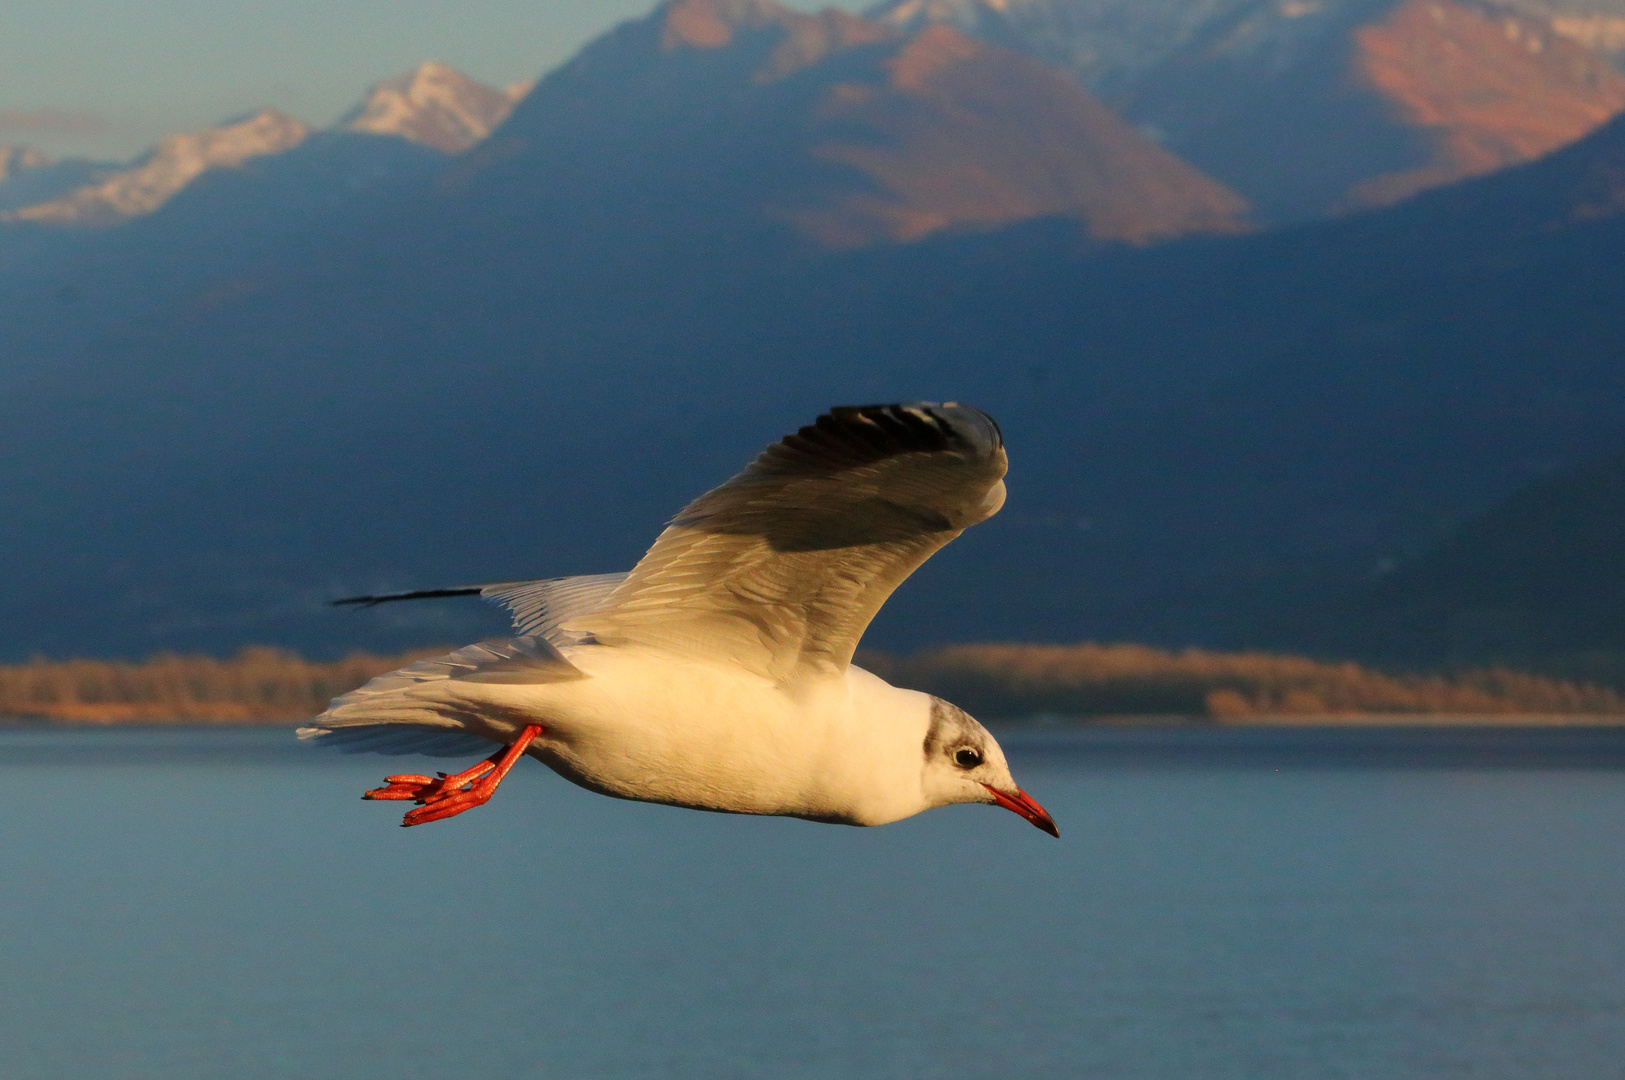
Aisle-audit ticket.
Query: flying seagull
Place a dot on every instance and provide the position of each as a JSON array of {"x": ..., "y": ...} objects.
[{"x": 718, "y": 673}]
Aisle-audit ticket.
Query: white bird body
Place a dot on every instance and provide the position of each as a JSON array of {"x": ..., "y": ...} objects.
[
  {"x": 716, "y": 675},
  {"x": 646, "y": 725}
]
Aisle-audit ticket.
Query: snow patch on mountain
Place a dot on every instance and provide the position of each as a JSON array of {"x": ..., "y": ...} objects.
[
  {"x": 1106, "y": 44},
  {"x": 434, "y": 105},
  {"x": 156, "y": 176}
]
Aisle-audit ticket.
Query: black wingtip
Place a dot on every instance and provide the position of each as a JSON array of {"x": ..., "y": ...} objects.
[
  {"x": 953, "y": 424},
  {"x": 857, "y": 434}
]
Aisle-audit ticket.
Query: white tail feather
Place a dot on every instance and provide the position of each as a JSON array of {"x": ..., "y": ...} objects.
[{"x": 387, "y": 716}]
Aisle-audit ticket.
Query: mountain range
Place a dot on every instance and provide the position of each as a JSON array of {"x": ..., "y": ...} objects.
[
  {"x": 431, "y": 106},
  {"x": 715, "y": 222},
  {"x": 1309, "y": 107},
  {"x": 1303, "y": 108},
  {"x": 838, "y": 129}
]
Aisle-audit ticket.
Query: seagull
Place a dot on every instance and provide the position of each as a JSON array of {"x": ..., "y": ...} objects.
[{"x": 717, "y": 674}]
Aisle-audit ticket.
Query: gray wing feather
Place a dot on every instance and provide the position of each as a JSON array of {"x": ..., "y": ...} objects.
[
  {"x": 513, "y": 660},
  {"x": 542, "y": 607},
  {"x": 781, "y": 568}
]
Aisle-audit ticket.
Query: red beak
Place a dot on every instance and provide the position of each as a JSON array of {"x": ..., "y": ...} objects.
[{"x": 1022, "y": 803}]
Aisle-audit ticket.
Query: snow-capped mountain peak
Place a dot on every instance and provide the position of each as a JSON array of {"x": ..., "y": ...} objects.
[{"x": 433, "y": 105}]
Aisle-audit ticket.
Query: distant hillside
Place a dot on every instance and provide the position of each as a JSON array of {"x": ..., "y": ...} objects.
[
  {"x": 86, "y": 247},
  {"x": 155, "y": 178},
  {"x": 431, "y": 106},
  {"x": 1480, "y": 88},
  {"x": 1311, "y": 108},
  {"x": 1537, "y": 581},
  {"x": 848, "y": 131},
  {"x": 1322, "y": 105},
  {"x": 1581, "y": 183},
  {"x": 28, "y": 176},
  {"x": 1107, "y": 45},
  {"x": 740, "y": 118}
]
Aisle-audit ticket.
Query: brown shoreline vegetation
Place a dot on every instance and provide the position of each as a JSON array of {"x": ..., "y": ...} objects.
[
  {"x": 259, "y": 685},
  {"x": 1084, "y": 680},
  {"x": 998, "y": 681}
]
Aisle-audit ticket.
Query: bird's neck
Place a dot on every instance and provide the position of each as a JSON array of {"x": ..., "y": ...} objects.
[{"x": 874, "y": 756}]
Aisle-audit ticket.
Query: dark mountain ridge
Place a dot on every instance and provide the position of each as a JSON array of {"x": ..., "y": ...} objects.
[{"x": 1538, "y": 581}]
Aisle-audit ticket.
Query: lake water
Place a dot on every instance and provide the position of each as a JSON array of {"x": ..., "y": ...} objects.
[{"x": 1239, "y": 905}]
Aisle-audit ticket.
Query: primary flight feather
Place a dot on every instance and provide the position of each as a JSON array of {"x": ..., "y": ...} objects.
[{"x": 717, "y": 673}]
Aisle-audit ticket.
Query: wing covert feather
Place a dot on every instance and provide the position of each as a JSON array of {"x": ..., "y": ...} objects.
[
  {"x": 543, "y": 607},
  {"x": 782, "y": 568}
]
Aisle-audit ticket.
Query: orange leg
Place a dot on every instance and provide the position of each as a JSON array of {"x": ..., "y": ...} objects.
[{"x": 447, "y": 796}]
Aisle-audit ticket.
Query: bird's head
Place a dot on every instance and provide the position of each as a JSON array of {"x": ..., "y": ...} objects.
[{"x": 964, "y": 764}]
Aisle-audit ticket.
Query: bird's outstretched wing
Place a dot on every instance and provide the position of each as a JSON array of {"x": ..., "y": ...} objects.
[{"x": 781, "y": 568}]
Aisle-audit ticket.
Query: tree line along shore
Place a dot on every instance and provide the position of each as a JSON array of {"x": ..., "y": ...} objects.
[{"x": 993, "y": 681}]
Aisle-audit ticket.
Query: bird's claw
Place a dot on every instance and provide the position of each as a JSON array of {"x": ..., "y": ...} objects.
[
  {"x": 401, "y": 787},
  {"x": 441, "y": 796},
  {"x": 449, "y": 804},
  {"x": 422, "y": 789}
]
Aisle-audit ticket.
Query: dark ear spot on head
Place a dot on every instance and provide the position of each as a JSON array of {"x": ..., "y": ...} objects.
[{"x": 950, "y": 728}]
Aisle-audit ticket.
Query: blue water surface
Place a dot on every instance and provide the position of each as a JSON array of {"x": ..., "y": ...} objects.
[{"x": 184, "y": 904}]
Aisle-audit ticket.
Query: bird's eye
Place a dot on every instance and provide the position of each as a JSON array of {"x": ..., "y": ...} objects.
[{"x": 967, "y": 758}]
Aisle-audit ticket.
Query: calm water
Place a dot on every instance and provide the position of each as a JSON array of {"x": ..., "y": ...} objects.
[{"x": 1251, "y": 906}]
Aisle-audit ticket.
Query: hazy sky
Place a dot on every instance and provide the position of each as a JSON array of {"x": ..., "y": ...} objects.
[{"x": 109, "y": 77}]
